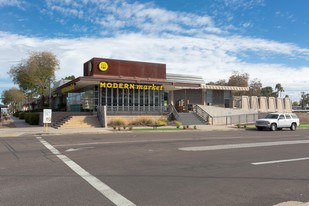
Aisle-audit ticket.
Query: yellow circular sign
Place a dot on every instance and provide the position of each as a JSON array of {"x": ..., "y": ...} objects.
[{"x": 103, "y": 66}]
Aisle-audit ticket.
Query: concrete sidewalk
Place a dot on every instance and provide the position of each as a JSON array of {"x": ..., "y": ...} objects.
[{"x": 22, "y": 128}]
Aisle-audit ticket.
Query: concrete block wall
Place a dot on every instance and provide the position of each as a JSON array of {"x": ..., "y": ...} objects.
[
  {"x": 287, "y": 105},
  {"x": 272, "y": 104},
  {"x": 245, "y": 102},
  {"x": 255, "y": 103},
  {"x": 266, "y": 104},
  {"x": 280, "y": 105},
  {"x": 263, "y": 104}
]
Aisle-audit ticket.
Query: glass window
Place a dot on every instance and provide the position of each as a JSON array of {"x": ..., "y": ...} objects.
[
  {"x": 271, "y": 116},
  {"x": 209, "y": 97},
  {"x": 281, "y": 117}
]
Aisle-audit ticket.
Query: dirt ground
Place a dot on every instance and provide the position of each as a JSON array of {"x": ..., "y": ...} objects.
[{"x": 6, "y": 123}]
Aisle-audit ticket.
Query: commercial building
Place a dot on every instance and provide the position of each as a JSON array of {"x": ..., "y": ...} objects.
[{"x": 131, "y": 87}]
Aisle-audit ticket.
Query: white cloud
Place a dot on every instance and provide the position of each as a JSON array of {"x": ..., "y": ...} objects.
[
  {"x": 15, "y": 3},
  {"x": 210, "y": 57},
  {"x": 119, "y": 16}
]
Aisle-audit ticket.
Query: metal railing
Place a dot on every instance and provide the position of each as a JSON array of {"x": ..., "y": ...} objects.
[
  {"x": 235, "y": 119},
  {"x": 201, "y": 113},
  {"x": 173, "y": 110}
]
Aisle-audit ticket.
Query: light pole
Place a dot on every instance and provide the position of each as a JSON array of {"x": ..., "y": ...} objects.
[{"x": 49, "y": 93}]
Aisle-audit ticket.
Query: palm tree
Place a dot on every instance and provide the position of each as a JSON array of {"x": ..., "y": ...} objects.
[{"x": 279, "y": 89}]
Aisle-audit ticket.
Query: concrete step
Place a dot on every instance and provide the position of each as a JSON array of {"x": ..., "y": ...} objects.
[
  {"x": 81, "y": 122},
  {"x": 191, "y": 118}
]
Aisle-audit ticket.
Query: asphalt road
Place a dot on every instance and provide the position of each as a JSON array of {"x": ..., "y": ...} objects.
[{"x": 156, "y": 168}]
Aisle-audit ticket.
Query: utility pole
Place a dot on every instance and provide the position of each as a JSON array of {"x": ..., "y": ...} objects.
[
  {"x": 49, "y": 93},
  {"x": 303, "y": 100}
]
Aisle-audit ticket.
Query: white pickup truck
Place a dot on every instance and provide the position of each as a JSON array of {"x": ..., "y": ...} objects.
[{"x": 277, "y": 121}]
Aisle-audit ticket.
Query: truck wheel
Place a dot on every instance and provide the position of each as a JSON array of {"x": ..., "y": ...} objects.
[
  {"x": 293, "y": 127},
  {"x": 273, "y": 127}
]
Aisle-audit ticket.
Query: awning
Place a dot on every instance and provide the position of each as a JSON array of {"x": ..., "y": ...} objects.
[
  {"x": 3, "y": 106},
  {"x": 228, "y": 88}
]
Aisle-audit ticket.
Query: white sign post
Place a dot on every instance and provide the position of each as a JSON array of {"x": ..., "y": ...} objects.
[{"x": 47, "y": 118}]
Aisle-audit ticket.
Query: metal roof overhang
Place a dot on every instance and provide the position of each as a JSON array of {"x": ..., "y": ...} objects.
[{"x": 227, "y": 88}]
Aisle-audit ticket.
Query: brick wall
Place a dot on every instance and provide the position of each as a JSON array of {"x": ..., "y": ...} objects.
[{"x": 303, "y": 116}]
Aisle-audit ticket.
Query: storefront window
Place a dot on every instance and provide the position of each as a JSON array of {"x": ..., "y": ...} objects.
[
  {"x": 83, "y": 101},
  {"x": 132, "y": 100}
]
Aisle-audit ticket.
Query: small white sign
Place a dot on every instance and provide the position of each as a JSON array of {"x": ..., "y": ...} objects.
[{"x": 47, "y": 116}]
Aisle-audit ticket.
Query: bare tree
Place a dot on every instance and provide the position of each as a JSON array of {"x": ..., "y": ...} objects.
[{"x": 255, "y": 87}]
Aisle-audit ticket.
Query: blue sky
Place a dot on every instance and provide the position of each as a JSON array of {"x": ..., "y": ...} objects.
[{"x": 266, "y": 38}]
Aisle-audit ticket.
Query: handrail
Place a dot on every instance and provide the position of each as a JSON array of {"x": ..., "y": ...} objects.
[
  {"x": 202, "y": 113},
  {"x": 174, "y": 112}
]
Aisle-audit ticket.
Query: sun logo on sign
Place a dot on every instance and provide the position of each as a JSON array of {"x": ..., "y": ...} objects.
[{"x": 103, "y": 66}]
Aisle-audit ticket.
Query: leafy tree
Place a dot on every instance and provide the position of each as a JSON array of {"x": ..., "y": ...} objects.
[
  {"x": 304, "y": 100},
  {"x": 69, "y": 77},
  {"x": 13, "y": 97},
  {"x": 279, "y": 89},
  {"x": 295, "y": 104},
  {"x": 255, "y": 87},
  {"x": 240, "y": 80},
  {"x": 35, "y": 74},
  {"x": 267, "y": 91}
]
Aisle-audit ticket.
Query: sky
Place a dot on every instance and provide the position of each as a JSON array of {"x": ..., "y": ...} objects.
[{"x": 268, "y": 39}]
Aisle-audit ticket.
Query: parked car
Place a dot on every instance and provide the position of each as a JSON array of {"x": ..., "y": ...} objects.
[{"x": 278, "y": 121}]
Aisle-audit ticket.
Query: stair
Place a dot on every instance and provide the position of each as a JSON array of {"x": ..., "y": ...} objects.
[
  {"x": 78, "y": 122},
  {"x": 191, "y": 118}
]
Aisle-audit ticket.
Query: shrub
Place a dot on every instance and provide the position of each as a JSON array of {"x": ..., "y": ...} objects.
[
  {"x": 177, "y": 123},
  {"x": 161, "y": 122},
  {"x": 31, "y": 118},
  {"x": 21, "y": 115},
  {"x": 16, "y": 114},
  {"x": 142, "y": 122},
  {"x": 194, "y": 127},
  {"x": 118, "y": 123}
]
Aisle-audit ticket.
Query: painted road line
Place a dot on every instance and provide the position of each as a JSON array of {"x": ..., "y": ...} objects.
[
  {"x": 156, "y": 141},
  {"x": 104, "y": 189},
  {"x": 279, "y": 161},
  {"x": 239, "y": 146},
  {"x": 78, "y": 149}
]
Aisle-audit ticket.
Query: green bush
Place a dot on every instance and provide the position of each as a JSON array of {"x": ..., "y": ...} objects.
[
  {"x": 16, "y": 114},
  {"x": 32, "y": 118},
  {"x": 21, "y": 115}
]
